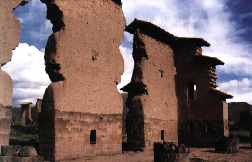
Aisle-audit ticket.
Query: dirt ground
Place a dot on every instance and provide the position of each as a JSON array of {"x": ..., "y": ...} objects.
[
  {"x": 244, "y": 155},
  {"x": 208, "y": 154}
]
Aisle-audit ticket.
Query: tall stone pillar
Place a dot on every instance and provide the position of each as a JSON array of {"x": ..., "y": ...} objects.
[
  {"x": 9, "y": 33},
  {"x": 82, "y": 109}
]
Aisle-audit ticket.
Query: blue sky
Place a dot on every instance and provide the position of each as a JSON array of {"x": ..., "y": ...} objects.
[{"x": 226, "y": 24}]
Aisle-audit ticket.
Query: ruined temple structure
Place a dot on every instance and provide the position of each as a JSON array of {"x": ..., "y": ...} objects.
[
  {"x": 152, "y": 101},
  {"x": 173, "y": 83},
  {"x": 82, "y": 109},
  {"x": 9, "y": 39},
  {"x": 172, "y": 95}
]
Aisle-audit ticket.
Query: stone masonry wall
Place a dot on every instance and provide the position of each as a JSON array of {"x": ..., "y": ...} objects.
[
  {"x": 152, "y": 92},
  {"x": 161, "y": 102},
  {"x": 84, "y": 62},
  {"x": 9, "y": 33}
]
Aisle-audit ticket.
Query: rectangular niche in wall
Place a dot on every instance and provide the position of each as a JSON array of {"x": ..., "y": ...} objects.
[{"x": 93, "y": 137}]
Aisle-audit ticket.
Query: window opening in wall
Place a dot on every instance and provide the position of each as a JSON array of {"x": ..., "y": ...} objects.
[
  {"x": 192, "y": 92},
  {"x": 93, "y": 137},
  {"x": 162, "y": 135}
]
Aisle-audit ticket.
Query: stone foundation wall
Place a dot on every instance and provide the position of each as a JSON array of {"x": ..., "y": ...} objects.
[
  {"x": 73, "y": 129},
  {"x": 66, "y": 135},
  {"x": 153, "y": 128},
  {"x": 5, "y": 124}
]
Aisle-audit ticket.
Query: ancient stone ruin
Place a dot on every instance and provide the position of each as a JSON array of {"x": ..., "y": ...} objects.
[
  {"x": 173, "y": 81},
  {"x": 9, "y": 39},
  {"x": 82, "y": 107},
  {"x": 172, "y": 95},
  {"x": 152, "y": 100}
]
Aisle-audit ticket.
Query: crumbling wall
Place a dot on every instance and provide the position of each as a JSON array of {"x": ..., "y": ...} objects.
[
  {"x": 202, "y": 110},
  {"x": 84, "y": 62},
  {"x": 152, "y": 89},
  {"x": 9, "y": 32}
]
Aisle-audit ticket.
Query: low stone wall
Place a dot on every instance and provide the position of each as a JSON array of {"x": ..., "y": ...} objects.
[
  {"x": 87, "y": 134},
  {"x": 5, "y": 120},
  {"x": 153, "y": 131}
]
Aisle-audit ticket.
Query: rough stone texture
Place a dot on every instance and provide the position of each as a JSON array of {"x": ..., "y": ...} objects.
[
  {"x": 5, "y": 120},
  {"x": 5, "y": 89},
  {"x": 152, "y": 94},
  {"x": 202, "y": 110},
  {"x": 84, "y": 62},
  {"x": 9, "y": 32}
]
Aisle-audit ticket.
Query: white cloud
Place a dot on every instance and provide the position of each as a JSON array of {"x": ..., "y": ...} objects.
[
  {"x": 128, "y": 67},
  {"x": 241, "y": 89},
  {"x": 27, "y": 71}
]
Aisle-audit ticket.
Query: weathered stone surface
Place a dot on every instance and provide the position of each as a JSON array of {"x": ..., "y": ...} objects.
[
  {"x": 5, "y": 120},
  {"x": 84, "y": 62},
  {"x": 152, "y": 93},
  {"x": 5, "y": 89},
  {"x": 87, "y": 52},
  {"x": 9, "y": 30},
  {"x": 5, "y": 107}
]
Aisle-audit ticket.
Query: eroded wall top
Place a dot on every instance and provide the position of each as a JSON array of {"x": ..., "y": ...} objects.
[
  {"x": 84, "y": 55},
  {"x": 9, "y": 29}
]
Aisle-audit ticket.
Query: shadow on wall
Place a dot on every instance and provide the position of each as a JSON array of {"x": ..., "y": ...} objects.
[{"x": 134, "y": 125}]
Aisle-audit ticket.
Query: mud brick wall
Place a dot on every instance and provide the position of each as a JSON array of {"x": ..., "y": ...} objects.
[
  {"x": 153, "y": 129},
  {"x": 161, "y": 102},
  {"x": 73, "y": 129},
  {"x": 5, "y": 120},
  {"x": 152, "y": 94},
  {"x": 84, "y": 62},
  {"x": 9, "y": 33},
  {"x": 9, "y": 30}
]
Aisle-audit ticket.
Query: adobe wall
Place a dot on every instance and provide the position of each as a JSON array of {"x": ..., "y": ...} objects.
[
  {"x": 152, "y": 89},
  {"x": 9, "y": 32},
  {"x": 161, "y": 102},
  {"x": 84, "y": 62}
]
